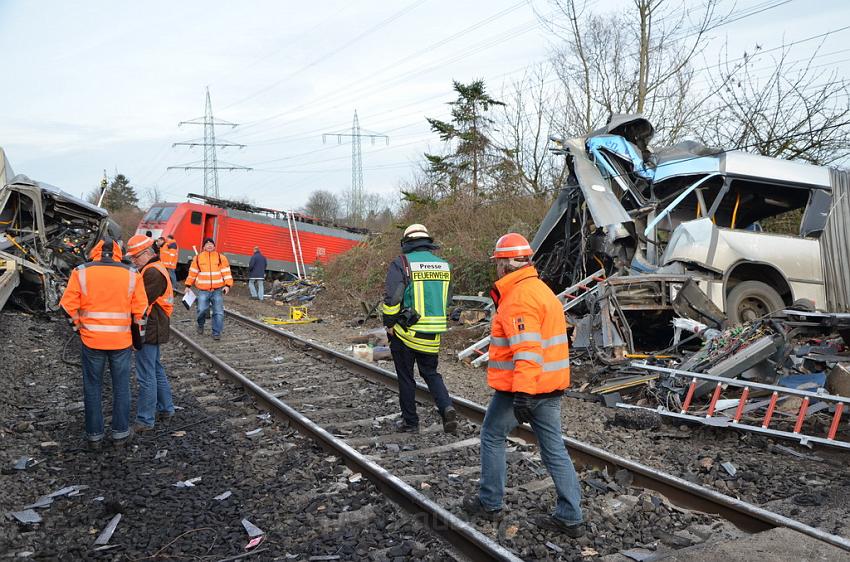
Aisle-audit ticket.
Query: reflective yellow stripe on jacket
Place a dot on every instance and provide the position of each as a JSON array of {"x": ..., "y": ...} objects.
[{"x": 418, "y": 343}]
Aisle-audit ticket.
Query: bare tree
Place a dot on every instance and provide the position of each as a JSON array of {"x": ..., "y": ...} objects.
[
  {"x": 796, "y": 112},
  {"x": 323, "y": 205},
  {"x": 639, "y": 61},
  {"x": 530, "y": 113},
  {"x": 151, "y": 195}
]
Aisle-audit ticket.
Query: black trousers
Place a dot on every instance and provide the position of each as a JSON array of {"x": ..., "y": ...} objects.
[{"x": 405, "y": 359}]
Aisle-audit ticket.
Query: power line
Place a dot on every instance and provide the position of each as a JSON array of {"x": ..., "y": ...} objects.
[
  {"x": 748, "y": 12},
  {"x": 331, "y": 53},
  {"x": 210, "y": 166},
  {"x": 346, "y": 92},
  {"x": 357, "y": 189}
]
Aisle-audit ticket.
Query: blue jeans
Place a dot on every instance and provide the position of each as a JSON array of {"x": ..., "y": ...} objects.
[
  {"x": 216, "y": 299},
  {"x": 94, "y": 364},
  {"x": 256, "y": 292},
  {"x": 154, "y": 390},
  {"x": 546, "y": 423},
  {"x": 173, "y": 274}
]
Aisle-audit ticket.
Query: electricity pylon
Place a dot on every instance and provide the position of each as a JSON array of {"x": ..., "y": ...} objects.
[
  {"x": 357, "y": 191},
  {"x": 211, "y": 165}
]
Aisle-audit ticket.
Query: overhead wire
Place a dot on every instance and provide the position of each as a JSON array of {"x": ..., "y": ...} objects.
[
  {"x": 759, "y": 53},
  {"x": 326, "y": 56},
  {"x": 441, "y": 63},
  {"x": 344, "y": 92}
]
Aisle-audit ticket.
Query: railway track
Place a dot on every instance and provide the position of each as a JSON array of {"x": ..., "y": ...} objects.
[{"x": 427, "y": 474}]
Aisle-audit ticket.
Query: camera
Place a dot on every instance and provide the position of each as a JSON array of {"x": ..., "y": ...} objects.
[{"x": 407, "y": 318}]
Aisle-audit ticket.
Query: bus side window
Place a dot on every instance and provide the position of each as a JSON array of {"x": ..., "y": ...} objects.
[{"x": 195, "y": 218}]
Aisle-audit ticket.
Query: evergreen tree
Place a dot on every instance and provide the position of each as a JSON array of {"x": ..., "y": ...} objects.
[
  {"x": 120, "y": 195},
  {"x": 473, "y": 155}
]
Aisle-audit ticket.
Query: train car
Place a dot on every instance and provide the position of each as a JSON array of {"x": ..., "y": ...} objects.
[{"x": 292, "y": 242}]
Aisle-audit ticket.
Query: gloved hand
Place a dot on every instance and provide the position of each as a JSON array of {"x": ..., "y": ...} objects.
[{"x": 523, "y": 406}]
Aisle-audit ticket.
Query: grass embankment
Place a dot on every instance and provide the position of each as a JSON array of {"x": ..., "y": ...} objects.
[{"x": 465, "y": 230}]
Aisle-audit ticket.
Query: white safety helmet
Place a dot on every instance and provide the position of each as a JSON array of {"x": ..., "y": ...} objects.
[{"x": 415, "y": 231}]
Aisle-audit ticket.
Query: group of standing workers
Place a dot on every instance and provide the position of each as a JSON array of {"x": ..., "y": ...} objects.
[
  {"x": 529, "y": 365},
  {"x": 117, "y": 307}
]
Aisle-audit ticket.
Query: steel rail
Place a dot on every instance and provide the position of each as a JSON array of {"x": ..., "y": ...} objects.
[
  {"x": 460, "y": 534},
  {"x": 680, "y": 492}
]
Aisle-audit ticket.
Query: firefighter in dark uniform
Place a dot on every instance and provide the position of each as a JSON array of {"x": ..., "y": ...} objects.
[{"x": 416, "y": 299}]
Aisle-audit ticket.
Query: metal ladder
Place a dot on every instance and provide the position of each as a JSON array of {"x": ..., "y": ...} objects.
[
  {"x": 569, "y": 297},
  {"x": 295, "y": 240},
  {"x": 778, "y": 393}
]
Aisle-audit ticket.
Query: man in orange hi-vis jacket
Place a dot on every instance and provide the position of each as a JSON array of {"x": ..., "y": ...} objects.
[
  {"x": 529, "y": 368},
  {"x": 168, "y": 255},
  {"x": 105, "y": 301},
  {"x": 210, "y": 274}
]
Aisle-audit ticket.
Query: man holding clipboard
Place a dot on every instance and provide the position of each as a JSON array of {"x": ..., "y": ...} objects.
[{"x": 210, "y": 274}]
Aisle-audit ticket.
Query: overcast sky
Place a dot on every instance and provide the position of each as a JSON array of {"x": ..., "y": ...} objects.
[{"x": 89, "y": 85}]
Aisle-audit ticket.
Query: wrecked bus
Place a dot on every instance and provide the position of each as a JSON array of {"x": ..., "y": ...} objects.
[
  {"x": 654, "y": 219},
  {"x": 44, "y": 234}
]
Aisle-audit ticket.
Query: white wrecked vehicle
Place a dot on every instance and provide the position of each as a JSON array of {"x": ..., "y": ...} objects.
[{"x": 658, "y": 218}]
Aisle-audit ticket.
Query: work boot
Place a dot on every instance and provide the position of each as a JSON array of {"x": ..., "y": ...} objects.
[
  {"x": 121, "y": 443},
  {"x": 164, "y": 416},
  {"x": 139, "y": 427},
  {"x": 94, "y": 446},
  {"x": 216, "y": 337},
  {"x": 407, "y": 428},
  {"x": 199, "y": 330},
  {"x": 472, "y": 505},
  {"x": 449, "y": 416},
  {"x": 552, "y": 523}
]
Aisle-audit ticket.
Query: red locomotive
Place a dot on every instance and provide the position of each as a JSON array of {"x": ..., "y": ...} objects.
[{"x": 292, "y": 242}]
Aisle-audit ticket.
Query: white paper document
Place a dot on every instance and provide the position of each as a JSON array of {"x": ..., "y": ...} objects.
[{"x": 189, "y": 298}]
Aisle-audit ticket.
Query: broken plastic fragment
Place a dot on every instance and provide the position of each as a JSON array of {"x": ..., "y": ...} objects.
[
  {"x": 179, "y": 434},
  {"x": 356, "y": 477},
  {"x": 24, "y": 463},
  {"x": 254, "y": 432},
  {"x": 27, "y": 516},
  {"x": 43, "y": 501},
  {"x": 730, "y": 468},
  {"x": 161, "y": 454},
  {"x": 251, "y": 529},
  {"x": 68, "y": 491},
  {"x": 554, "y": 547},
  {"x": 223, "y": 496},
  {"x": 106, "y": 534},
  {"x": 255, "y": 542},
  {"x": 190, "y": 483}
]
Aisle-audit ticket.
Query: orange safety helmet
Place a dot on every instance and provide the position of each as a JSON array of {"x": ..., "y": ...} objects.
[
  {"x": 512, "y": 245},
  {"x": 137, "y": 243}
]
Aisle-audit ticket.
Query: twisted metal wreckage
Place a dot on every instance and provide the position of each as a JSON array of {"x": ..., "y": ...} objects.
[
  {"x": 677, "y": 233},
  {"x": 643, "y": 243},
  {"x": 44, "y": 234}
]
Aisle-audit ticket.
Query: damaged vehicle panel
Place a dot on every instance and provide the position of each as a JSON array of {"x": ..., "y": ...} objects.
[
  {"x": 659, "y": 218},
  {"x": 46, "y": 232}
]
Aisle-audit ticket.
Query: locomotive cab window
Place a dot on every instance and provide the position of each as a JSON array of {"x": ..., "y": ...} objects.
[
  {"x": 196, "y": 217},
  {"x": 159, "y": 214}
]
